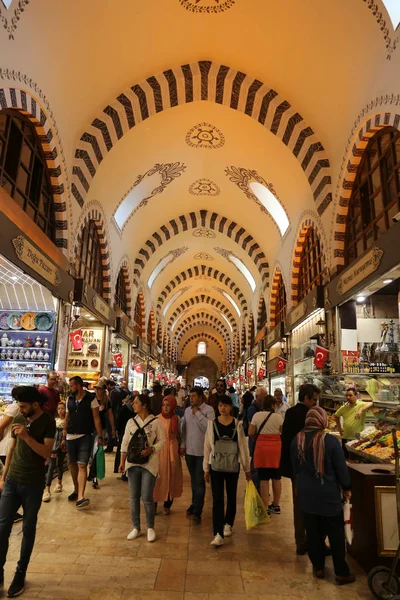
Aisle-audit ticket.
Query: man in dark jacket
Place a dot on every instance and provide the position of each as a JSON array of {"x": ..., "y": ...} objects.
[
  {"x": 294, "y": 422},
  {"x": 156, "y": 399}
]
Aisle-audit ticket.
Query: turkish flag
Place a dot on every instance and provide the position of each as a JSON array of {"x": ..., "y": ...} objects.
[
  {"x": 249, "y": 372},
  {"x": 76, "y": 339},
  {"x": 321, "y": 354},
  {"x": 159, "y": 376},
  {"x": 241, "y": 378},
  {"x": 138, "y": 368},
  {"x": 235, "y": 380},
  {"x": 261, "y": 373},
  {"x": 150, "y": 374},
  {"x": 281, "y": 364},
  {"x": 118, "y": 359}
]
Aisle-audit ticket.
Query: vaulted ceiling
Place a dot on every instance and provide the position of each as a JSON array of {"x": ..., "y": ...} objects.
[{"x": 163, "y": 115}]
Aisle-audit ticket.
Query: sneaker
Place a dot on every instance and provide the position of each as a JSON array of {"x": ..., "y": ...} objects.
[
  {"x": 95, "y": 485},
  {"x": 18, "y": 517},
  {"x": 17, "y": 585},
  {"x": 345, "y": 579},
  {"x": 82, "y": 503},
  {"x": 133, "y": 534},
  {"x": 46, "y": 496},
  {"x": 73, "y": 496},
  {"x": 217, "y": 541},
  {"x": 58, "y": 488},
  {"x": 319, "y": 573},
  {"x": 227, "y": 530},
  {"x": 151, "y": 535},
  {"x": 196, "y": 518},
  {"x": 274, "y": 509},
  {"x": 189, "y": 511},
  {"x": 166, "y": 511}
]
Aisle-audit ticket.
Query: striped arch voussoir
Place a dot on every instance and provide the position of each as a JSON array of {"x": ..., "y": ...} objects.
[
  {"x": 23, "y": 102},
  {"x": 274, "y": 296},
  {"x": 298, "y": 250},
  {"x": 202, "y": 271},
  {"x": 140, "y": 300},
  {"x": 368, "y": 130},
  {"x": 124, "y": 268},
  {"x": 261, "y": 304},
  {"x": 205, "y": 336},
  {"x": 211, "y": 220},
  {"x": 95, "y": 216},
  {"x": 202, "y": 299},
  {"x": 152, "y": 322},
  {"x": 212, "y": 82},
  {"x": 202, "y": 318}
]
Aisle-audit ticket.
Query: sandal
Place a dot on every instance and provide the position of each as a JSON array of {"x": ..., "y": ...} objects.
[{"x": 167, "y": 511}]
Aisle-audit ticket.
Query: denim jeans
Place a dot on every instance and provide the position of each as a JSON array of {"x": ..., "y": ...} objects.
[
  {"x": 219, "y": 483},
  {"x": 12, "y": 497},
  {"x": 195, "y": 466},
  {"x": 141, "y": 484},
  {"x": 57, "y": 461}
]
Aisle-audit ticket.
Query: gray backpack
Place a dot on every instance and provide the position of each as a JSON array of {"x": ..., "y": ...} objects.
[{"x": 225, "y": 458}]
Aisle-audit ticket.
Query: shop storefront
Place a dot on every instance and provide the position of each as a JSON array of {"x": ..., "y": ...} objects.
[
  {"x": 89, "y": 336},
  {"x": 119, "y": 351},
  {"x": 32, "y": 288},
  {"x": 306, "y": 325},
  {"x": 276, "y": 345}
]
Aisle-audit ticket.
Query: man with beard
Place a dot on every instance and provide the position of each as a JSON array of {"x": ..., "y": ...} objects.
[
  {"x": 22, "y": 481},
  {"x": 213, "y": 399}
]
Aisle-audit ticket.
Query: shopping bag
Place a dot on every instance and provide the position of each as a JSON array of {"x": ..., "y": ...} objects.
[
  {"x": 100, "y": 463},
  {"x": 348, "y": 521},
  {"x": 254, "y": 509}
]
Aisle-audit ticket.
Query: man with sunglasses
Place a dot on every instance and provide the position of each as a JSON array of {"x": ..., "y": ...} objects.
[
  {"x": 22, "y": 481},
  {"x": 81, "y": 418},
  {"x": 213, "y": 399}
]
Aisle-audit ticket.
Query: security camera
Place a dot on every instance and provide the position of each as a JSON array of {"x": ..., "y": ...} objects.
[{"x": 396, "y": 218}]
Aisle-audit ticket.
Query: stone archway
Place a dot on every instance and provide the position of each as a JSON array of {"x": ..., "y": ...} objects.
[{"x": 202, "y": 366}]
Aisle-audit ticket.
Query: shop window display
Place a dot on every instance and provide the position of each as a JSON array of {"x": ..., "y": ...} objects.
[
  {"x": 23, "y": 170},
  {"x": 375, "y": 197}
]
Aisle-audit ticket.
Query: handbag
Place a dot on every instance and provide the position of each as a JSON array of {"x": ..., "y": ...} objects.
[{"x": 258, "y": 433}]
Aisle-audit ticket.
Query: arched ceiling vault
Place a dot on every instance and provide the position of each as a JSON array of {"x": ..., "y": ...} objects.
[{"x": 196, "y": 302}]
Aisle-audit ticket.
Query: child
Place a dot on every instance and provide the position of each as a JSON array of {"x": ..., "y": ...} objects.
[{"x": 57, "y": 456}]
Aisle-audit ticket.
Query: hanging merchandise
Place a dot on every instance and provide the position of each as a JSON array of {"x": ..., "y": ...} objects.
[
  {"x": 249, "y": 373},
  {"x": 138, "y": 368},
  {"x": 321, "y": 354},
  {"x": 241, "y": 377},
  {"x": 76, "y": 339},
  {"x": 159, "y": 376},
  {"x": 261, "y": 373},
  {"x": 281, "y": 364},
  {"x": 118, "y": 359}
]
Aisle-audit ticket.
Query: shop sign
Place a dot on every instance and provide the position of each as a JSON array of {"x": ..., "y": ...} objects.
[
  {"x": 88, "y": 357},
  {"x": 298, "y": 313},
  {"x": 124, "y": 329},
  {"x": 364, "y": 267},
  {"x": 36, "y": 260},
  {"x": 101, "y": 307}
]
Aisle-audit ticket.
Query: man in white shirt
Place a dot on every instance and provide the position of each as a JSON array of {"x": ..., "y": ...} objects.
[
  {"x": 180, "y": 398},
  {"x": 281, "y": 405}
]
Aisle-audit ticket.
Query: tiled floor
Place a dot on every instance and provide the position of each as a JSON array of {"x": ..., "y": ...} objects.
[{"x": 85, "y": 555}]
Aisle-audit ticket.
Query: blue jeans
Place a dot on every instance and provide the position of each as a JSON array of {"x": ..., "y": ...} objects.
[
  {"x": 141, "y": 484},
  {"x": 14, "y": 495},
  {"x": 195, "y": 466}
]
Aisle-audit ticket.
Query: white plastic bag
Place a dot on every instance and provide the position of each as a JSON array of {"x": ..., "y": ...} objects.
[{"x": 348, "y": 521}]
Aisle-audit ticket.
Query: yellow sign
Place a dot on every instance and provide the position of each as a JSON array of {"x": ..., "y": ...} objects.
[
  {"x": 360, "y": 270},
  {"x": 37, "y": 261}
]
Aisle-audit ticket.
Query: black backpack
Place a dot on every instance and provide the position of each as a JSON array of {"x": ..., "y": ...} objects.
[{"x": 137, "y": 443}]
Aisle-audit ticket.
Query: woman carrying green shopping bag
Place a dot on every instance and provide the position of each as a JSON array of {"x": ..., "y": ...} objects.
[{"x": 225, "y": 449}]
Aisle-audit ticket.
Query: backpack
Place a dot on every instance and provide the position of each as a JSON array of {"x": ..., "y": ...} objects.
[
  {"x": 137, "y": 443},
  {"x": 225, "y": 458}
]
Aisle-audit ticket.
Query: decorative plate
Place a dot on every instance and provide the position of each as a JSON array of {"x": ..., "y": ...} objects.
[
  {"x": 43, "y": 321},
  {"x": 3, "y": 321},
  {"x": 14, "y": 320},
  {"x": 94, "y": 363},
  {"x": 28, "y": 321}
]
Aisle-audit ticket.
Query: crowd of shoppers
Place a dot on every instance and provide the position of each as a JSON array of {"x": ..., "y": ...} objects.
[{"x": 151, "y": 440}]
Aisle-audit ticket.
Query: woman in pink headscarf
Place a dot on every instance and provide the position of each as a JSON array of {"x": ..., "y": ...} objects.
[{"x": 169, "y": 482}]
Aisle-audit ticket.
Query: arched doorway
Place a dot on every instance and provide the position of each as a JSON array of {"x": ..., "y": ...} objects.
[
  {"x": 202, "y": 366},
  {"x": 201, "y": 381}
]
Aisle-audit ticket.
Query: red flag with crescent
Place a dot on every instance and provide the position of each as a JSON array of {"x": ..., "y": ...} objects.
[
  {"x": 118, "y": 359},
  {"x": 138, "y": 368},
  {"x": 281, "y": 364},
  {"x": 76, "y": 339},
  {"x": 321, "y": 354},
  {"x": 261, "y": 373},
  {"x": 249, "y": 372}
]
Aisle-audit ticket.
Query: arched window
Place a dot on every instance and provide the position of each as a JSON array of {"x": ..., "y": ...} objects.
[
  {"x": 201, "y": 348},
  {"x": 138, "y": 316},
  {"x": 375, "y": 196},
  {"x": 88, "y": 263},
  {"x": 310, "y": 270},
  {"x": 121, "y": 299},
  {"x": 262, "y": 314},
  {"x": 280, "y": 302},
  {"x": 23, "y": 170}
]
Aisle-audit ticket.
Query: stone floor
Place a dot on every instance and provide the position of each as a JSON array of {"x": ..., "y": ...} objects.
[{"x": 85, "y": 555}]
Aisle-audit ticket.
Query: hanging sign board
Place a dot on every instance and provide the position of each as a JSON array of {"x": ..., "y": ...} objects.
[
  {"x": 36, "y": 260},
  {"x": 360, "y": 270}
]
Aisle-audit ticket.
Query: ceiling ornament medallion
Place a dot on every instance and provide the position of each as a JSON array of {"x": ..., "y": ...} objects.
[
  {"x": 207, "y": 6},
  {"x": 204, "y": 232},
  {"x": 203, "y": 256},
  {"x": 205, "y": 135},
  {"x": 204, "y": 187},
  {"x": 223, "y": 252},
  {"x": 10, "y": 25}
]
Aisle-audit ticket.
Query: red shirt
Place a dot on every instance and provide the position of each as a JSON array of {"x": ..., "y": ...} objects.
[{"x": 52, "y": 399}]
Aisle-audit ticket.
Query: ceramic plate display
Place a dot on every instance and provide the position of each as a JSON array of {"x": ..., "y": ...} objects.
[
  {"x": 14, "y": 320},
  {"x": 43, "y": 321},
  {"x": 94, "y": 363},
  {"x": 28, "y": 321},
  {"x": 3, "y": 321}
]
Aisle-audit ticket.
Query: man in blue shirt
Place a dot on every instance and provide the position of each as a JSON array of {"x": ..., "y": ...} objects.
[{"x": 194, "y": 429}]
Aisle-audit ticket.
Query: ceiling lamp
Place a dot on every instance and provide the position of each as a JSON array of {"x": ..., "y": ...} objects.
[
  {"x": 272, "y": 204},
  {"x": 393, "y": 8}
]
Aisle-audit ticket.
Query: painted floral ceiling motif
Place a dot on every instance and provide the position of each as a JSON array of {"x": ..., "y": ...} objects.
[
  {"x": 207, "y": 6},
  {"x": 204, "y": 232},
  {"x": 10, "y": 22},
  {"x": 203, "y": 256},
  {"x": 205, "y": 135},
  {"x": 204, "y": 187}
]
